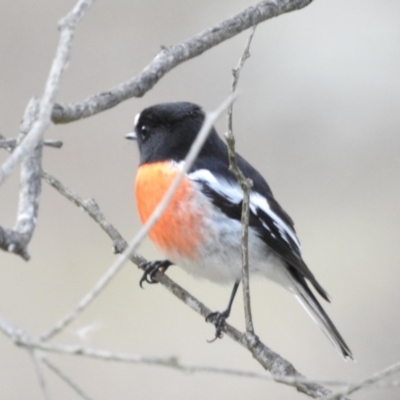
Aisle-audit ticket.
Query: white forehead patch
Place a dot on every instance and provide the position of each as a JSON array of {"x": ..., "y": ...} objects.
[{"x": 135, "y": 122}]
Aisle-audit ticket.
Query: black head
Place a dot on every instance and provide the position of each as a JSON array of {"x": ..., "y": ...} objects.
[{"x": 166, "y": 131}]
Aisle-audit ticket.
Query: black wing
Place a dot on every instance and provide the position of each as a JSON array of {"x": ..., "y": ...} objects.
[{"x": 267, "y": 218}]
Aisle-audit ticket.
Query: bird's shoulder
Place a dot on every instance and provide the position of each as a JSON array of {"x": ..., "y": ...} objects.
[{"x": 215, "y": 175}]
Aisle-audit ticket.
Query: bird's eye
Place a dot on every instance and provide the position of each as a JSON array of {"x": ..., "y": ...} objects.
[{"x": 144, "y": 131}]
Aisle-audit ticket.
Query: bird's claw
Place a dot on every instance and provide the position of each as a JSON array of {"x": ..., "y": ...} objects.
[
  {"x": 218, "y": 319},
  {"x": 150, "y": 269}
]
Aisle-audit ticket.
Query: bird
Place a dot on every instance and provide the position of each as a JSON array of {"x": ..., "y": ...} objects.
[{"x": 200, "y": 229}]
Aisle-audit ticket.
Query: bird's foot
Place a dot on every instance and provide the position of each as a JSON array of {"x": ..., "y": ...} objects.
[
  {"x": 151, "y": 268},
  {"x": 218, "y": 319}
]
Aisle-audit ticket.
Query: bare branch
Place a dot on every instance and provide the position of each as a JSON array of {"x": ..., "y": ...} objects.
[
  {"x": 245, "y": 256},
  {"x": 8, "y": 329},
  {"x": 92, "y": 209},
  {"x": 281, "y": 370},
  {"x": 129, "y": 251},
  {"x": 351, "y": 388},
  {"x": 29, "y": 149},
  {"x": 10, "y": 144},
  {"x": 271, "y": 361},
  {"x": 17, "y": 239},
  {"x": 30, "y": 182},
  {"x": 66, "y": 379},
  {"x": 246, "y": 185},
  {"x": 24, "y": 341},
  {"x": 35, "y": 134},
  {"x": 85, "y": 302},
  {"x": 38, "y": 369},
  {"x": 236, "y": 71},
  {"x": 170, "y": 57}
]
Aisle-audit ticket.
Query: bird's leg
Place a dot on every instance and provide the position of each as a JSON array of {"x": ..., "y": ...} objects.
[
  {"x": 150, "y": 269},
  {"x": 219, "y": 318}
]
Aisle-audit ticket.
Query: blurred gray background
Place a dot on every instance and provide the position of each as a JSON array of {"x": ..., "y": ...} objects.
[{"x": 318, "y": 115}]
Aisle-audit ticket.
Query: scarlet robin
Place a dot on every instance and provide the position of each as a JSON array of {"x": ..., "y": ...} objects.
[{"x": 200, "y": 228}]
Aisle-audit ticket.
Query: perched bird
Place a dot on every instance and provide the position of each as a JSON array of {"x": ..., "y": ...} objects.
[{"x": 200, "y": 228}]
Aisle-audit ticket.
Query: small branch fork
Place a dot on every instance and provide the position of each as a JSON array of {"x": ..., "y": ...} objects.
[
  {"x": 34, "y": 136},
  {"x": 28, "y": 151},
  {"x": 16, "y": 240}
]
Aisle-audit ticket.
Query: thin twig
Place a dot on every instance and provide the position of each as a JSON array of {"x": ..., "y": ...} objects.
[
  {"x": 34, "y": 137},
  {"x": 281, "y": 370},
  {"x": 283, "y": 376},
  {"x": 395, "y": 383},
  {"x": 38, "y": 369},
  {"x": 65, "y": 378},
  {"x": 22, "y": 340},
  {"x": 172, "y": 56},
  {"x": 378, "y": 376},
  {"x": 129, "y": 251},
  {"x": 245, "y": 256},
  {"x": 92, "y": 209},
  {"x": 8, "y": 329},
  {"x": 246, "y": 185},
  {"x": 10, "y": 144}
]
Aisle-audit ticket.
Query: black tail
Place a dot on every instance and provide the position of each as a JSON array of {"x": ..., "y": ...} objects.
[{"x": 310, "y": 303}]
